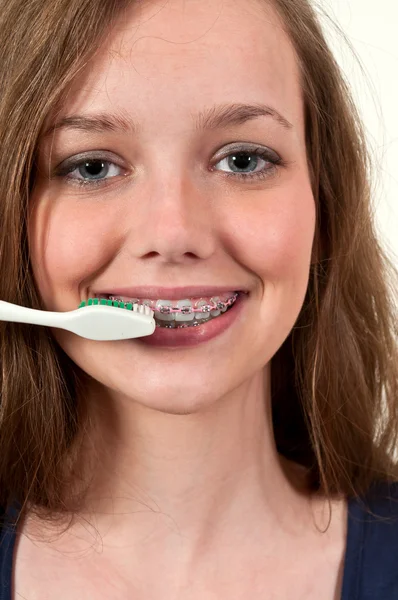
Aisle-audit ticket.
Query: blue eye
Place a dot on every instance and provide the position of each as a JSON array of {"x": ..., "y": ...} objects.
[
  {"x": 245, "y": 164},
  {"x": 92, "y": 171}
]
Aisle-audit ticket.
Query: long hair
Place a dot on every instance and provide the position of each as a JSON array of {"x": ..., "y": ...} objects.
[{"x": 334, "y": 380}]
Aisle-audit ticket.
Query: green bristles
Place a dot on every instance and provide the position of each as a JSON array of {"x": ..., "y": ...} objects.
[{"x": 104, "y": 302}]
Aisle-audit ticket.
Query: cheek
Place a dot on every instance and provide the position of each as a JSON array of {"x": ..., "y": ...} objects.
[
  {"x": 68, "y": 242},
  {"x": 273, "y": 235},
  {"x": 273, "y": 238}
]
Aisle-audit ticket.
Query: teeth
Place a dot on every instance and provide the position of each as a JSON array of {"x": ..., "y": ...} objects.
[
  {"x": 187, "y": 315},
  {"x": 166, "y": 325},
  {"x": 202, "y": 316},
  {"x": 215, "y": 300},
  {"x": 163, "y": 316}
]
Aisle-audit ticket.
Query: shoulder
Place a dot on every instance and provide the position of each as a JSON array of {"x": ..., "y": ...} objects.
[
  {"x": 8, "y": 523},
  {"x": 374, "y": 516},
  {"x": 371, "y": 570},
  {"x": 380, "y": 503}
]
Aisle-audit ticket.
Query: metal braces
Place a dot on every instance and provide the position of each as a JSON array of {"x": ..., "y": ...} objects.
[{"x": 188, "y": 310}]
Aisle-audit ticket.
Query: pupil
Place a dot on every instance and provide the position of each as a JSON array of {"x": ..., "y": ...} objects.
[
  {"x": 94, "y": 167},
  {"x": 242, "y": 160}
]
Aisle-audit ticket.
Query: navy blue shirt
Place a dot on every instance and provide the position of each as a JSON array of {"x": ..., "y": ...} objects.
[{"x": 371, "y": 557}]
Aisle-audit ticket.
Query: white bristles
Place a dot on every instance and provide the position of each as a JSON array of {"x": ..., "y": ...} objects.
[{"x": 142, "y": 309}]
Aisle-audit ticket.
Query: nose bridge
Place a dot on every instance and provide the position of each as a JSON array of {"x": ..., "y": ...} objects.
[{"x": 175, "y": 217}]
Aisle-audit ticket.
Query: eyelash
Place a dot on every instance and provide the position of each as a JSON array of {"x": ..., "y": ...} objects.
[{"x": 262, "y": 153}]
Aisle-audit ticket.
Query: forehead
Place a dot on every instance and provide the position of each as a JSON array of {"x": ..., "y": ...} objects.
[{"x": 188, "y": 54}]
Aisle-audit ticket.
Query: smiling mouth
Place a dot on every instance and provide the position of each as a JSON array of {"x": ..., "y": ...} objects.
[{"x": 172, "y": 314}]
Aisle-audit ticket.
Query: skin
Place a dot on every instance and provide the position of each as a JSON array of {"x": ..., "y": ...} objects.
[{"x": 187, "y": 471}]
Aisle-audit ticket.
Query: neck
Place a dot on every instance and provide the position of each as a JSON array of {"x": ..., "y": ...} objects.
[{"x": 201, "y": 471}]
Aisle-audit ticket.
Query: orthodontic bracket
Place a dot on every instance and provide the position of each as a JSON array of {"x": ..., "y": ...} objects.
[{"x": 188, "y": 310}]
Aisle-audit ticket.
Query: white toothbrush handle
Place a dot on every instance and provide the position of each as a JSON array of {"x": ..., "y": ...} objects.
[
  {"x": 21, "y": 314},
  {"x": 92, "y": 322}
]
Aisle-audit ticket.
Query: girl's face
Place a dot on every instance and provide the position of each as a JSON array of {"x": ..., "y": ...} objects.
[{"x": 168, "y": 205}]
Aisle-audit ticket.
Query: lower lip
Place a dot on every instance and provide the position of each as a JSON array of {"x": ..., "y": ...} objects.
[{"x": 192, "y": 336}]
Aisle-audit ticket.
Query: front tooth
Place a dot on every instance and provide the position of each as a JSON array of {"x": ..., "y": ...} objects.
[
  {"x": 161, "y": 316},
  {"x": 182, "y": 316},
  {"x": 199, "y": 316},
  {"x": 215, "y": 312}
]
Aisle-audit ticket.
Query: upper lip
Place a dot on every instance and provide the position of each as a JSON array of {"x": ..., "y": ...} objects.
[{"x": 163, "y": 293}]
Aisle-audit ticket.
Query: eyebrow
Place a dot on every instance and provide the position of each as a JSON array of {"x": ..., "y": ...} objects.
[{"x": 216, "y": 117}]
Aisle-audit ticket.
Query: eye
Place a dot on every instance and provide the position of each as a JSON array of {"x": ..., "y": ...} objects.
[
  {"x": 95, "y": 169},
  {"x": 90, "y": 171},
  {"x": 249, "y": 163}
]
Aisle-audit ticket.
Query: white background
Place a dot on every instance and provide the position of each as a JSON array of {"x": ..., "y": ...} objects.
[{"x": 372, "y": 29}]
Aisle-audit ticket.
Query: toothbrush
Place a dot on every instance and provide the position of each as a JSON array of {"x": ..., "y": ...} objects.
[{"x": 94, "y": 320}]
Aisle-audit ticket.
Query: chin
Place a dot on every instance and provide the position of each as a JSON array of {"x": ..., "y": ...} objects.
[{"x": 174, "y": 400}]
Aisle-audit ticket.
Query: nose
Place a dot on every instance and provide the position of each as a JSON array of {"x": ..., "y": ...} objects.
[{"x": 174, "y": 222}]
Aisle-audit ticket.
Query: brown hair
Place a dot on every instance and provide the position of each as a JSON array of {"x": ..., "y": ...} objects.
[{"x": 334, "y": 380}]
